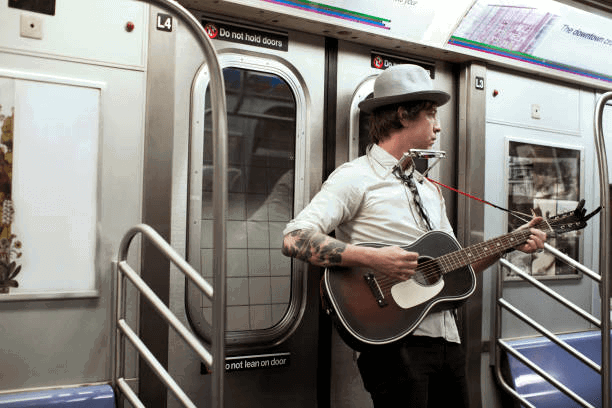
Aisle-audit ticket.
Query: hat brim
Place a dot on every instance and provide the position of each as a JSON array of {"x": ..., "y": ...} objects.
[{"x": 439, "y": 97}]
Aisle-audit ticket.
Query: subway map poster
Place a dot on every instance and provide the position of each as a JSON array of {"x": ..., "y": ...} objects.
[{"x": 542, "y": 32}]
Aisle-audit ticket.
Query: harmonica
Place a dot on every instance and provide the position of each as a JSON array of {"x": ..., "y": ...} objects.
[
  {"x": 419, "y": 154},
  {"x": 426, "y": 154}
]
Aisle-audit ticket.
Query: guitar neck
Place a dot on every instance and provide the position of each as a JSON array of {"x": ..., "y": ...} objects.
[{"x": 478, "y": 252}]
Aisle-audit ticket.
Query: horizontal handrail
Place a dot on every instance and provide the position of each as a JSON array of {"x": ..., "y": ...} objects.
[
  {"x": 131, "y": 395},
  {"x": 168, "y": 251},
  {"x": 123, "y": 330},
  {"x": 571, "y": 262},
  {"x": 166, "y": 313},
  {"x": 581, "y": 312},
  {"x": 511, "y": 390},
  {"x": 543, "y": 374},
  {"x": 155, "y": 365},
  {"x": 553, "y": 337},
  {"x": 502, "y": 303}
]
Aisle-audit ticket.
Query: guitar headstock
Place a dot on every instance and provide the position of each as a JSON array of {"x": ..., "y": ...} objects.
[{"x": 572, "y": 220}]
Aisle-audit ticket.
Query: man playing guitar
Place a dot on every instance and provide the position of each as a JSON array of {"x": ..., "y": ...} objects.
[{"x": 372, "y": 199}]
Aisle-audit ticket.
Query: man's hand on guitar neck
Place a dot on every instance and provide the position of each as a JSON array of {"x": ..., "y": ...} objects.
[
  {"x": 322, "y": 250},
  {"x": 537, "y": 238},
  {"x": 534, "y": 243}
]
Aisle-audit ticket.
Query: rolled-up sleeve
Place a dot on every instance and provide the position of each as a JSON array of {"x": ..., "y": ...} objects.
[{"x": 337, "y": 201}]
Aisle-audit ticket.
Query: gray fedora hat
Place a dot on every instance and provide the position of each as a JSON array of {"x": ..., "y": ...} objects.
[{"x": 403, "y": 83}]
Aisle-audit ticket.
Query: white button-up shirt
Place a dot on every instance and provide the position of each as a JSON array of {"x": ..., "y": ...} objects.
[{"x": 364, "y": 202}]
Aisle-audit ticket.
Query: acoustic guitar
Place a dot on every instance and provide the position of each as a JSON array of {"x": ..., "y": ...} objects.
[{"x": 370, "y": 308}]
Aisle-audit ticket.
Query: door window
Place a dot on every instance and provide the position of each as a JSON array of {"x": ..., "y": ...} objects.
[
  {"x": 261, "y": 145},
  {"x": 264, "y": 112}
]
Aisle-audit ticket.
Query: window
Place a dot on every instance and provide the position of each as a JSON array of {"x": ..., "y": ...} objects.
[{"x": 262, "y": 285}]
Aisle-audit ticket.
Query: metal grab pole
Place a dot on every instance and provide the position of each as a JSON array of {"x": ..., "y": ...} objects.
[
  {"x": 219, "y": 128},
  {"x": 604, "y": 249}
]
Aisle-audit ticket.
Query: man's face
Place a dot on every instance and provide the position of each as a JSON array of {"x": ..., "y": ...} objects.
[{"x": 423, "y": 131}]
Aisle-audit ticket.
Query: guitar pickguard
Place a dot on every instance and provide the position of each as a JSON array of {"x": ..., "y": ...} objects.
[{"x": 409, "y": 293}]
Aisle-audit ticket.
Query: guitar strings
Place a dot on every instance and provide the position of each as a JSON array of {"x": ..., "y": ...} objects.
[{"x": 432, "y": 268}]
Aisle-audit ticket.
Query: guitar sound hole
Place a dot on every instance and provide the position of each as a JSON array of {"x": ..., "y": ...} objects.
[{"x": 428, "y": 272}]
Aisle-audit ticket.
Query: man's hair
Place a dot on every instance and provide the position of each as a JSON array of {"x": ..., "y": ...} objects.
[{"x": 387, "y": 118}]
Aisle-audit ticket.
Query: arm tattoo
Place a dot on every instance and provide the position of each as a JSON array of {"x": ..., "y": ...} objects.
[{"x": 314, "y": 247}]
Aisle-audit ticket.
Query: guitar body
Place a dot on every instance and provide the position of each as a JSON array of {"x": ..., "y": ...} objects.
[{"x": 370, "y": 310}]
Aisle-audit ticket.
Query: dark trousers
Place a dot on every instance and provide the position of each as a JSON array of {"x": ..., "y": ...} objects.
[{"x": 418, "y": 372}]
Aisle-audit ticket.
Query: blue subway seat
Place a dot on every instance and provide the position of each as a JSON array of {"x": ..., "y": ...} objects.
[
  {"x": 557, "y": 362},
  {"x": 95, "y": 396}
]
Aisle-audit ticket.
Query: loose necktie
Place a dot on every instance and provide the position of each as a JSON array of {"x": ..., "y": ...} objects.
[{"x": 408, "y": 180}]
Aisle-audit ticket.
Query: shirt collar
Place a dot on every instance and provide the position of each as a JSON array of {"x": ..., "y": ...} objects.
[{"x": 384, "y": 159}]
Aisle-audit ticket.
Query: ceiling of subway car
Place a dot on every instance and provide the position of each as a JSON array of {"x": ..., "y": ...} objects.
[
  {"x": 381, "y": 24},
  {"x": 564, "y": 39}
]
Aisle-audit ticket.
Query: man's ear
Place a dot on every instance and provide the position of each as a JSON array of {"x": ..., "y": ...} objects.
[
  {"x": 401, "y": 116},
  {"x": 401, "y": 112}
]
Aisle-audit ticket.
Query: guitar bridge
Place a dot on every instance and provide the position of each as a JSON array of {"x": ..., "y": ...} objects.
[{"x": 375, "y": 288}]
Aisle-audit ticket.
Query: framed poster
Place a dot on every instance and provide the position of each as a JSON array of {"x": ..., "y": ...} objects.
[
  {"x": 546, "y": 180},
  {"x": 49, "y": 160}
]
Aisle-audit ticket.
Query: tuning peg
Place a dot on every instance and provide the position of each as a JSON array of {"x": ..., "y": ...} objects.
[{"x": 580, "y": 208}]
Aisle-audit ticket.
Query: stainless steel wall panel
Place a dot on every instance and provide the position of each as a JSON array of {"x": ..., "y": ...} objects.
[
  {"x": 295, "y": 384},
  {"x": 470, "y": 215},
  {"x": 157, "y": 186},
  {"x": 61, "y": 342}
]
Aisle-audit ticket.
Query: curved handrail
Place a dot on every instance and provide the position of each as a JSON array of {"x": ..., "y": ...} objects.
[
  {"x": 220, "y": 191},
  {"x": 604, "y": 246},
  {"x": 499, "y": 343},
  {"x": 602, "y": 279}
]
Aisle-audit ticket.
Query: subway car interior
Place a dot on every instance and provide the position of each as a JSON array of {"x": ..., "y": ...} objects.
[{"x": 192, "y": 132}]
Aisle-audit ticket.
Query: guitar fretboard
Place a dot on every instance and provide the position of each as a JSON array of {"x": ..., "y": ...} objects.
[{"x": 477, "y": 252}]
